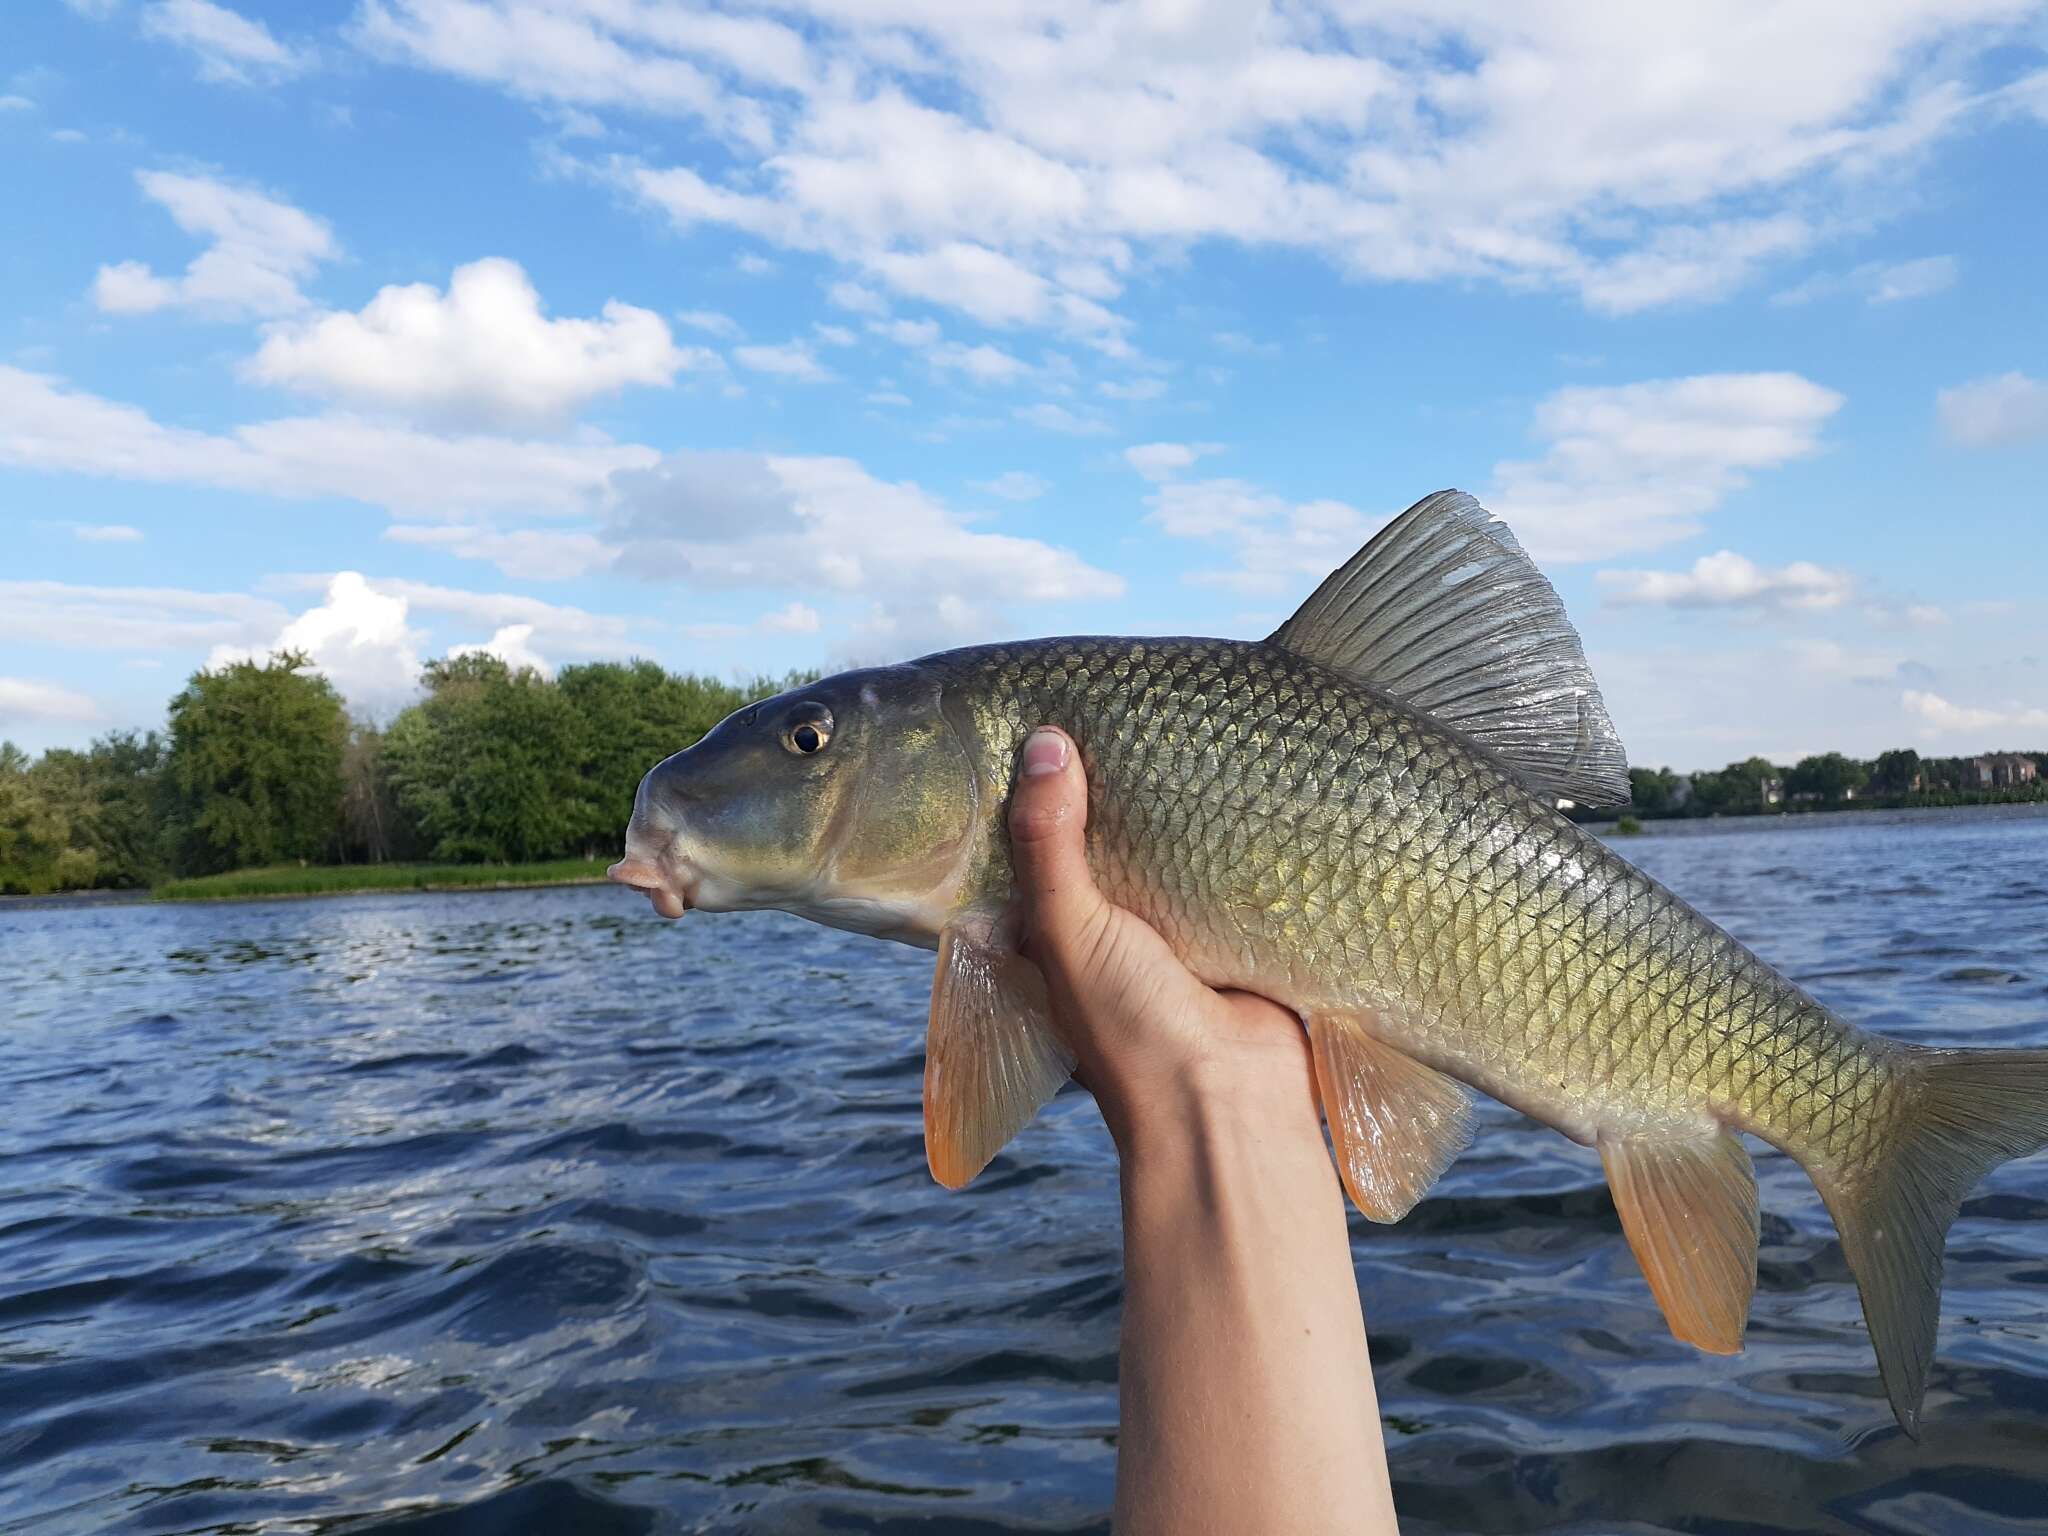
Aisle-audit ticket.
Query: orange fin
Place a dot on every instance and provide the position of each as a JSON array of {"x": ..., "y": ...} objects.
[
  {"x": 1395, "y": 1124},
  {"x": 1689, "y": 1209},
  {"x": 991, "y": 1059}
]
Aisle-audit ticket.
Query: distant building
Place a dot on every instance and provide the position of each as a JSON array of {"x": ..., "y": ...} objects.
[
  {"x": 1681, "y": 792},
  {"x": 1771, "y": 791},
  {"x": 2001, "y": 770}
]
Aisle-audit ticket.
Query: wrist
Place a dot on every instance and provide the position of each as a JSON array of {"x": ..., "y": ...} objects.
[{"x": 1211, "y": 1106}]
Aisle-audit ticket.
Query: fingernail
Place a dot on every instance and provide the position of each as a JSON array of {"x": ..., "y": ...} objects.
[{"x": 1044, "y": 752}]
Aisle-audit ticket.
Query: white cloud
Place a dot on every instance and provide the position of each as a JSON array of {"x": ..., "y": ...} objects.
[
  {"x": 960, "y": 274},
  {"x": 1729, "y": 580},
  {"x": 1132, "y": 389},
  {"x": 1162, "y": 461},
  {"x": 1277, "y": 548},
  {"x": 259, "y": 251},
  {"x": 150, "y": 619},
  {"x": 983, "y": 363},
  {"x": 1049, "y": 417},
  {"x": 834, "y": 335},
  {"x": 646, "y": 58},
  {"x": 1661, "y": 156},
  {"x": 1993, "y": 412},
  {"x": 229, "y": 46},
  {"x": 710, "y": 321},
  {"x": 1244, "y": 346},
  {"x": 45, "y": 426},
  {"x": 1634, "y": 466},
  {"x": 792, "y": 618},
  {"x": 16, "y": 104},
  {"x": 358, "y": 638},
  {"x": 525, "y": 554},
  {"x": 789, "y": 360},
  {"x": 22, "y": 699},
  {"x": 1878, "y": 282},
  {"x": 1690, "y": 263},
  {"x": 106, "y": 533},
  {"x": 513, "y": 645},
  {"x": 1939, "y": 717},
  {"x": 560, "y": 627},
  {"x": 484, "y": 351},
  {"x": 825, "y": 527},
  {"x": 856, "y": 299},
  {"x": 1014, "y": 485},
  {"x": 908, "y": 333},
  {"x": 363, "y": 636}
]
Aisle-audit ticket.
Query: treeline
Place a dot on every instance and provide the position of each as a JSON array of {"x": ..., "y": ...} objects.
[
  {"x": 1829, "y": 781},
  {"x": 259, "y": 763}
]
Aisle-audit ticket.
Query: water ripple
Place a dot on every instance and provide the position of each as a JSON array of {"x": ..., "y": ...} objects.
[{"x": 524, "y": 1212}]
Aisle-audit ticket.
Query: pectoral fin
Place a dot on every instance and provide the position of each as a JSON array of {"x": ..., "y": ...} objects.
[
  {"x": 991, "y": 1058},
  {"x": 1689, "y": 1209},
  {"x": 1395, "y": 1124}
]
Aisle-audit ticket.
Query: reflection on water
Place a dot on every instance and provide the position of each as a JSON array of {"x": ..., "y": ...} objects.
[{"x": 523, "y": 1211}]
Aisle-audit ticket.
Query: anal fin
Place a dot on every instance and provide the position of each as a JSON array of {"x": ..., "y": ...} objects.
[
  {"x": 1395, "y": 1124},
  {"x": 1689, "y": 1209},
  {"x": 991, "y": 1057}
]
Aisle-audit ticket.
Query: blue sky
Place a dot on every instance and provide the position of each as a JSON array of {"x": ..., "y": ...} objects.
[{"x": 754, "y": 336}]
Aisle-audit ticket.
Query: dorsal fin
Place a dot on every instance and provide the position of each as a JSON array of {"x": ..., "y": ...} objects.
[{"x": 1445, "y": 611}]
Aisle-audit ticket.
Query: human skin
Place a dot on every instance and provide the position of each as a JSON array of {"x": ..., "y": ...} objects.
[{"x": 1246, "y": 1392}]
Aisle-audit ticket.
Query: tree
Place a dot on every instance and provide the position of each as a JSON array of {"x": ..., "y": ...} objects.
[
  {"x": 1651, "y": 789},
  {"x": 37, "y": 849},
  {"x": 488, "y": 764},
  {"x": 374, "y": 826},
  {"x": 1894, "y": 772},
  {"x": 71, "y": 820},
  {"x": 124, "y": 827},
  {"x": 253, "y": 774},
  {"x": 1828, "y": 776},
  {"x": 631, "y": 715}
]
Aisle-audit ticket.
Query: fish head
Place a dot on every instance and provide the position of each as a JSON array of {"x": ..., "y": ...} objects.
[{"x": 849, "y": 801}]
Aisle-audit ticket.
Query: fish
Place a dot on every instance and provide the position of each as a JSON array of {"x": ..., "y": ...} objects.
[{"x": 1358, "y": 817}]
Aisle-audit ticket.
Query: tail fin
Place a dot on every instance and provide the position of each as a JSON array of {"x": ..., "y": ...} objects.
[{"x": 1963, "y": 1113}]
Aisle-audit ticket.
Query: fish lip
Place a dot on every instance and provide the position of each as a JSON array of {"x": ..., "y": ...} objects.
[{"x": 671, "y": 898}]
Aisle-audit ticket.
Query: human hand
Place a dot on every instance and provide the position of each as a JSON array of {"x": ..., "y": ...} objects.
[{"x": 1152, "y": 1039}]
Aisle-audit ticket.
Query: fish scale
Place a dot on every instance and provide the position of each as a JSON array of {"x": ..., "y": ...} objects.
[{"x": 1495, "y": 939}]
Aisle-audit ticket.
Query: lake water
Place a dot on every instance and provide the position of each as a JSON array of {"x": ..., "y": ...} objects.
[{"x": 529, "y": 1212}]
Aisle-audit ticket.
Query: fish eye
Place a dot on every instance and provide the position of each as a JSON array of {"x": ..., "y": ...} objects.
[{"x": 809, "y": 731}]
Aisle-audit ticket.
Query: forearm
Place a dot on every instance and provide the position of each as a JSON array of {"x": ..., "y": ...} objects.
[{"x": 1247, "y": 1393}]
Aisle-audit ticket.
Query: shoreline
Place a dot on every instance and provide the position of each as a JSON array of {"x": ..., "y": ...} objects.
[
  {"x": 323, "y": 881},
  {"x": 54, "y": 901},
  {"x": 1876, "y": 816}
]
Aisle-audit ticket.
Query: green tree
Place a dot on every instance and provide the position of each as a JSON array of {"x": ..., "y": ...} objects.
[
  {"x": 1894, "y": 772},
  {"x": 72, "y": 820},
  {"x": 1651, "y": 789},
  {"x": 253, "y": 774},
  {"x": 630, "y": 716},
  {"x": 374, "y": 826},
  {"x": 124, "y": 825},
  {"x": 489, "y": 763},
  {"x": 1829, "y": 776},
  {"x": 36, "y": 846}
]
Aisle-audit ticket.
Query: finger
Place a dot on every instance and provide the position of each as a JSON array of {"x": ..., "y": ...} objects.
[{"x": 1048, "y": 851}]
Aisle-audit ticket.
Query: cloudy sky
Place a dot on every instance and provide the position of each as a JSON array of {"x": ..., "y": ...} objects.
[{"x": 747, "y": 336}]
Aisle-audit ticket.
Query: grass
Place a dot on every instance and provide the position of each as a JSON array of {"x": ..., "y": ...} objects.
[{"x": 334, "y": 879}]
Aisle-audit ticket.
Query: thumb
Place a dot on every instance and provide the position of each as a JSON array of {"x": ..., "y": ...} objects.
[{"x": 1048, "y": 816}]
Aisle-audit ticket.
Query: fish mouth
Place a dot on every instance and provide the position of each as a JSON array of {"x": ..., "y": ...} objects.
[{"x": 670, "y": 897}]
